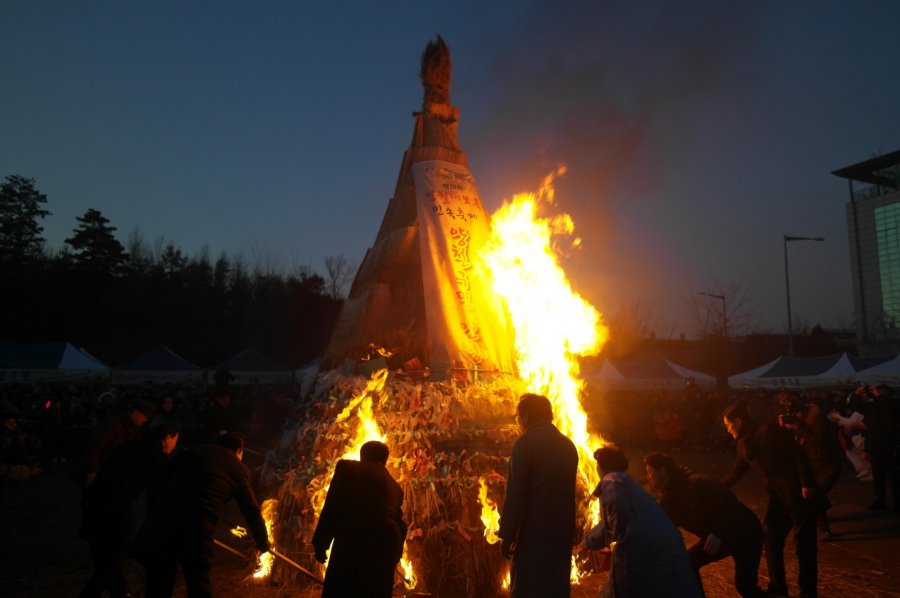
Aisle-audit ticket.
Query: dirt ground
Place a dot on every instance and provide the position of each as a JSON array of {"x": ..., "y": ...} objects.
[{"x": 41, "y": 556}]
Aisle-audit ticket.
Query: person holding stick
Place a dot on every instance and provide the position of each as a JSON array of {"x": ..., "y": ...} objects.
[
  {"x": 182, "y": 520},
  {"x": 362, "y": 522}
]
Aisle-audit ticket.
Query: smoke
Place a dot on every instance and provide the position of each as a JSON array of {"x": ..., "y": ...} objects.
[{"x": 620, "y": 92}]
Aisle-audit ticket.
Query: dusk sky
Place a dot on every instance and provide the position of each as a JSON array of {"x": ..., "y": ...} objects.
[{"x": 696, "y": 134}]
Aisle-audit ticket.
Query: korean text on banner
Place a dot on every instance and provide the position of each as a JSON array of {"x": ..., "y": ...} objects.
[{"x": 468, "y": 327}]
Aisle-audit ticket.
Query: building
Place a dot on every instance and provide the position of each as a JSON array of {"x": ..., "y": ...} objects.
[{"x": 873, "y": 223}]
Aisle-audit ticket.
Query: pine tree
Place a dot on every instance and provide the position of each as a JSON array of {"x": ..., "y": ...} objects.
[
  {"x": 20, "y": 209},
  {"x": 94, "y": 248}
]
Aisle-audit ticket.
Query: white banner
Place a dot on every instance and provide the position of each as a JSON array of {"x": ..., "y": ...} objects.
[{"x": 468, "y": 328}]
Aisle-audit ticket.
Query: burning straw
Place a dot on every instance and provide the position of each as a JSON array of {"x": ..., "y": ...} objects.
[{"x": 450, "y": 442}]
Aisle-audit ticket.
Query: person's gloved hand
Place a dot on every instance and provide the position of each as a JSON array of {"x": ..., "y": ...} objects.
[
  {"x": 712, "y": 545},
  {"x": 264, "y": 547},
  {"x": 506, "y": 548},
  {"x": 321, "y": 555}
]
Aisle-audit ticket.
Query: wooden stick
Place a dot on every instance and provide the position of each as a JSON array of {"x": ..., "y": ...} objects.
[
  {"x": 287, "y": 560},
  {"x": 297, "y": 566},
  {"x": 229, "y": 549}
]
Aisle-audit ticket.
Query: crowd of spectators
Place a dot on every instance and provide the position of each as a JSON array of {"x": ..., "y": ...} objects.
[
  {"x": 55, "y": 422},
  {"x": 690, "y": 418}
]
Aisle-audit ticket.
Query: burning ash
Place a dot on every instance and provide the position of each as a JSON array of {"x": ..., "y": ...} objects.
[{"x": 450, "y": 441}]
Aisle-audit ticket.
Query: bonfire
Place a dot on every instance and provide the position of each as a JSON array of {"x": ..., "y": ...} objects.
[{"x": 497, "y": 318}]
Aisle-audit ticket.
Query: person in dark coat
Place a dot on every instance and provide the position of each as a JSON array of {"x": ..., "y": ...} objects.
[
  {"x": 108, "y": 505},
  {"x": 12, "y": 468},
  {"x": 790, "y": 483},
  {"x": 881, "y": 440},
  {"x": 182, "y": 520},
  {"x": 819, "y": 439},
  {"x": 113, "y": 433},
  {"x": 362, "y": 522},
  {"x": 221, "y": 417},
  {"x": 537, "y": 524},
  {"x": 648, "y": 555},
  {"x": 724, "y": 525}
]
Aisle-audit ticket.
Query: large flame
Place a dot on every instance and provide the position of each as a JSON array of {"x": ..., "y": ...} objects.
[
  {"x": 553, "y": 324},
  {"x": 364, "y": 429}
]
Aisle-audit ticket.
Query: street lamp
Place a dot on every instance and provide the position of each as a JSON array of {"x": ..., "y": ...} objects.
[
  {"x": 724, "y": 311},
  {"x": 787, "y": 285}
]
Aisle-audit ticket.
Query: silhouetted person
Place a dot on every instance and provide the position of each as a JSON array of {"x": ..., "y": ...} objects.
[
  {"x": 819, "y": 439},
  {"x": 362, "y": 522},
  {"x": 12, "y": 467},
  {"x": 182, "y": 520},
  {"x": 221, "y": 417},
  {"x": 710, "y": 511},
  {"x": 113, "y": 433},
  {"x": 791, "y": 483},
  {"x": 881, "y": 440},
  {"x": 109, "y": 502},
  {"x": 648, "y": 555},
  {"x": 537, "y": 524}
]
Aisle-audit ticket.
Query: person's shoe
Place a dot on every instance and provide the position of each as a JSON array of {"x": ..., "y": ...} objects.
[
  {"x": 827, "y": 537},
  {"x": 877, "y": 506},
  {"x": 866, "y": 478},
  {"x": 776, "y": 591},
  {"x": 863, "y": 474}
]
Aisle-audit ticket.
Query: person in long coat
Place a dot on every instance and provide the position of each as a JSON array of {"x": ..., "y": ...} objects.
[
  {"x": 108, "y": 505},
  {"x": 648, "y": 554},
  {"x": 362, "y": 522},
  {"x": 724, "y": 525},
  {"x": 537, "y": 524},
  {"x": 184, "y": 513},
  {"x": 791, "y": 484}
]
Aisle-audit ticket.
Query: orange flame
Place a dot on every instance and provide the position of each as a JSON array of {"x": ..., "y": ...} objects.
[
  {"x": 490, "y": 516},
  {"x": 409, "y": 575},
  {"x": 522, "y": 257},
  {"x": 366, "y": 429},
  {"x": 266, "y": 559}
]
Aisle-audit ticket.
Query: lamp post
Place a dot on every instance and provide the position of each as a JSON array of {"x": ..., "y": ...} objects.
[{"x": 787, "y": 286}]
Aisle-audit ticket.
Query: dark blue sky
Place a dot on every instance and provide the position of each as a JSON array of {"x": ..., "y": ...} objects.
[{"x": 696, "y": 134}]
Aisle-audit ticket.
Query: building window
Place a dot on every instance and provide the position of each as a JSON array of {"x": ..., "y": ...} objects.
[{"x": 887, "y": 232}]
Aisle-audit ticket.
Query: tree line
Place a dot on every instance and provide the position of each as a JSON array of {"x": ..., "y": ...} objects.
[{"x": 118, "y": 302}]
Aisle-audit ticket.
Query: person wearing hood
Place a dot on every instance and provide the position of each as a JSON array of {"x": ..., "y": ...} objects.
[
  {"x": 791, "y": 485},
  {"x": 648, "y": 555},
  {"x": 704, "y": 507}
]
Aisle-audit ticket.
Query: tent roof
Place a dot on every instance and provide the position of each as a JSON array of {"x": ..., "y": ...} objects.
[
  {"x": 686, "y": 373},
  {"x": 885, "y": 371},
  {"x": 793, "y": 367},
  {"x": 652, "y": 367},
  {"x": 607, "y": 372},
  {"x": 249, "y": 360},
  {"x": 864, "y": 363},
  {"x": 160, "y": 359},
  {"x": 47, "y": 356}
]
